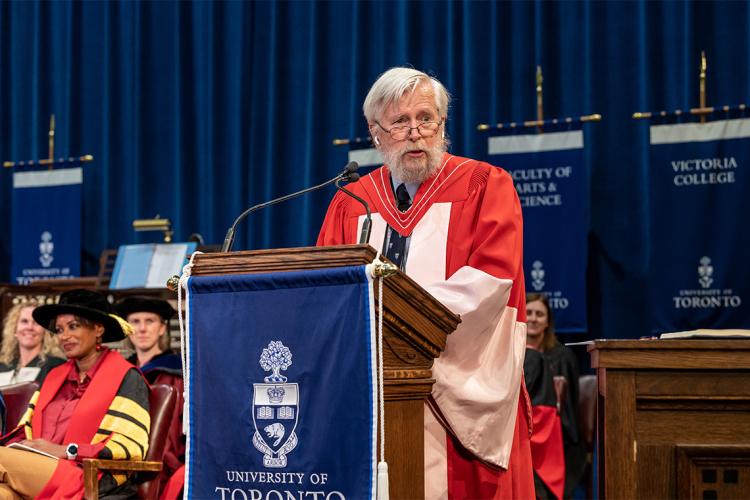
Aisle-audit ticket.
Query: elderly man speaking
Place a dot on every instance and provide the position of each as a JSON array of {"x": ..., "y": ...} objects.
[{"x": 454, "y": 225}]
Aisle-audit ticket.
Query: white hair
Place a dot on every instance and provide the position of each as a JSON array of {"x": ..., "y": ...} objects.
[{"x": 394, "y": 83}]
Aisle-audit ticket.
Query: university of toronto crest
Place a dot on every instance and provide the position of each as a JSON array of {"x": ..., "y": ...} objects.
[
  {"x": 705, "y": 272},
  {"x": 275, "y": 408},
  {"x": 46, "y": 247},
  {"x": 537, "y": 275}
]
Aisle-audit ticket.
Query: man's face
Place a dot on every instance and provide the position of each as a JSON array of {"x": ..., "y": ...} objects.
[{"x": 415, "y": 158}]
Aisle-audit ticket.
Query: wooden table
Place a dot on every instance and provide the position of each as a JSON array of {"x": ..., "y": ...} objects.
[{"x": 673, "y": 418}]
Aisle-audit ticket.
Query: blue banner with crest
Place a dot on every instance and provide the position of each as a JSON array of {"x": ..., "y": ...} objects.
[
  {"x": 46, "y": 227},
  {"x": 280, "y": 386},
  {"x": 549, "y": 173},
  {"x": 700, "y": 178}
]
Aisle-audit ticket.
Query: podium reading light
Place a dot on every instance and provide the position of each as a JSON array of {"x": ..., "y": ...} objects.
[{"x": 155, "y": 224}]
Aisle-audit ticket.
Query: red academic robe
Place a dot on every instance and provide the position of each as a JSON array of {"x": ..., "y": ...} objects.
[
  {"x": 465, "y": 249},
  {"x": 67, "y": 480},
  {"x": 547, "y": 452}
]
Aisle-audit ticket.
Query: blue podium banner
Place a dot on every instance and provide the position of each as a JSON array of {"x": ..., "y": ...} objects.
[
  {"x": 700, "y": 178},
  {"x": 549, "y": 173},
  {"x": 280, "y": 386},
  {"x": 46, "y": 227}
]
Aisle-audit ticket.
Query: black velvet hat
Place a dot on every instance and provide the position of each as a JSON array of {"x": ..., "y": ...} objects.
[
  {"x": 84, "y": 304},
  {"x": 136, "y": 304}
]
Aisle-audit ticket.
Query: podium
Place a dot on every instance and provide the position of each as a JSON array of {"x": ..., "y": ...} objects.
[
  {"x": 673, "y": 418},
  {"x": 415, "y": 329}
]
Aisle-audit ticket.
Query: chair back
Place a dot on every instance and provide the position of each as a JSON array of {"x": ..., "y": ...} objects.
[
  {"x": 106, "y": 267},
  {"x": 16, "y": 398},
  {"x": 162, "y": 405},
  {"x": 587, "y": 404}
]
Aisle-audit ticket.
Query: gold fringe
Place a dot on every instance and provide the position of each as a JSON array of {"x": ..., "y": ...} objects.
[{"x": 126, "y": 328}]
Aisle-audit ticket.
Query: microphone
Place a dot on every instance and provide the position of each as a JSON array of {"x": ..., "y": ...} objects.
[
  {"x": 349, "y": 172},
  {"x": 364, "y": 236}
]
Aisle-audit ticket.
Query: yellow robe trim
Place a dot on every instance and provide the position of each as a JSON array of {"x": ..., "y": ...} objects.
[
  {"x": 127, "y": 428},
  {"x": 116, "y": 445},
  {"x": 26, "y": 418},
  {"x": 129, "y": 407}
]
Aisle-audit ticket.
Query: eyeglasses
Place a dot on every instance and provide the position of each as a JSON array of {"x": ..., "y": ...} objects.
[{"x": 401, "y": 132}]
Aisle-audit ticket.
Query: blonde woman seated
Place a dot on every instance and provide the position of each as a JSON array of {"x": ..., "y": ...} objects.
[
  {"x": 28, "y": 351},
  {"x": 93, "y": 406}
]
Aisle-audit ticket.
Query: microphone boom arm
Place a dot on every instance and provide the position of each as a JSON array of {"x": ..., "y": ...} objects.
[
  {"x": 364, "y": 236},
  {"x": 349, "y": 171}
]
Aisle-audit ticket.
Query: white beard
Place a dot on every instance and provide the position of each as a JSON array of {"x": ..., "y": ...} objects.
[{"x": 414, "y": 171}]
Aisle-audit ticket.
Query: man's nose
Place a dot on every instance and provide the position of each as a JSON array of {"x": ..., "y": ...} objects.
[{"x": 414, "y": 134}]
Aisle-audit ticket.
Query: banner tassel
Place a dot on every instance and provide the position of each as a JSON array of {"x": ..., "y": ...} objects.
[
  {"x": 181, "y": 289},
  {"x": 383, "y": 481}
]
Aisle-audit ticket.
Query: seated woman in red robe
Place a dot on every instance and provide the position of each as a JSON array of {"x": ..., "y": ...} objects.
[
  {"x": 93, "y": 406},
  {"x": 149, "y": 318}
]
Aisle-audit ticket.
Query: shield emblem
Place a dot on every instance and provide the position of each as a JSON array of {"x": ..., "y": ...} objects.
[{"x": 275, "y": 411}]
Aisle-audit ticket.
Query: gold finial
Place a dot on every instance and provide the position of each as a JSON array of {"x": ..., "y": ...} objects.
[
  {"x": 539, "y": 80},
  {"x": 173, "y": 283},
  {"x": 52, "y": 139},
  {"x": 702, "y": 76},
  {"x": 383, "y": 269},
  {"x": 539, "y": 97}
]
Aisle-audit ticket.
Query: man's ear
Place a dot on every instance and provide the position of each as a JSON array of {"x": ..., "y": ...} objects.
[{"x": 373, "y": 134}]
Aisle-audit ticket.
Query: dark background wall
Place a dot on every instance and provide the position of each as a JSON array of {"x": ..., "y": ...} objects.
[{"x": 197, "y": 110}]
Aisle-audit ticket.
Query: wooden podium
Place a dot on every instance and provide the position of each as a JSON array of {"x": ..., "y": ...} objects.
[
  {"x": 673, "y": 418},
  {"x": 415, "y": 328}
]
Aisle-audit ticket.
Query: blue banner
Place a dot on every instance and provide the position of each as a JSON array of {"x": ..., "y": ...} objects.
[
  {"x": 700, "y": 179},
  {"x": 280, "y": 386},
  {"x": 549, "y": 174},
  {"x": 46, "y": 227}
]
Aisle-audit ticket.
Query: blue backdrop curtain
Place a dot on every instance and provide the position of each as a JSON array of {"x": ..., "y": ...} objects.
[{"x": 197, "y": 110}]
